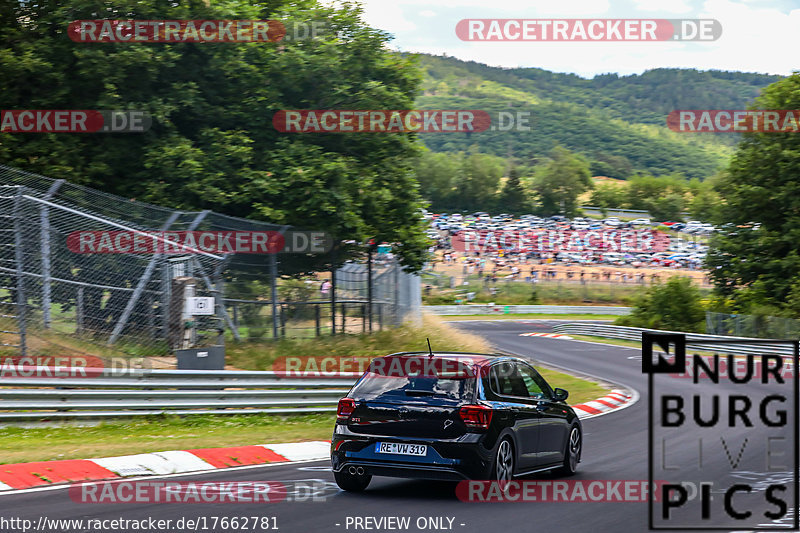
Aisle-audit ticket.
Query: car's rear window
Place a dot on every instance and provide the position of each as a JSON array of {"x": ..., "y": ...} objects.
[{"x": 409, "y": 381}]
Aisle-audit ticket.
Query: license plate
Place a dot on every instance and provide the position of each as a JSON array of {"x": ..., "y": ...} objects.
[{"x": 398, "y": 448}]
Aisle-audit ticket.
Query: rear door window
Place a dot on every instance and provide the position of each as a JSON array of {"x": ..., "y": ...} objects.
[{"x": 505, "y": 380}]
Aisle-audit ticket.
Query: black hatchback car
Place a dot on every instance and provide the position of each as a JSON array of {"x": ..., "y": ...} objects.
[{"x": 452, "y": 416}]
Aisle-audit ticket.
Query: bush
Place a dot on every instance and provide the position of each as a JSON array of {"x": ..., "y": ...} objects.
[
  {"x": 676, "y": 305},
  {"x": 534, "y": 298}
]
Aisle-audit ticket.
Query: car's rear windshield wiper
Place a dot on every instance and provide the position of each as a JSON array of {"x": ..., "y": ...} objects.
[{"x": 414, "y": 392}]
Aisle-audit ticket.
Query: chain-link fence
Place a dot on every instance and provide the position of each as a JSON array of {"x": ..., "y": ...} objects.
[
  {"x": 72, "y": 278},
  {"x": 759, "y": 326},
  {"x": 343, "y": 302}
]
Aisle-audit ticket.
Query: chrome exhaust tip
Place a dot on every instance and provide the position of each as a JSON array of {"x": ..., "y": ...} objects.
[
  {"x": 352, "y": 470},
  {"x": 360, "y": 471}
]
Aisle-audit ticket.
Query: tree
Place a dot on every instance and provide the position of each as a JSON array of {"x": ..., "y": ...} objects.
[
  {"x": 676, "y": 305},
  {"x": 705, "y": 205},
  {"x": 478, "y": 181},
  {"x": 560, "y": 181},
  {"x": 437, "y": 175},
  {"x": 757, "y": 253},
  {"x": 513, "y": 198},
  {"x": 212, "y": 144},
  {"x": 612, "y": 166},
  {"x": 608, "y": 195},
  {"x": 644, "y": 190},
  {"x": 668, "y": 207},
  {"x": 617, "y": 123}
]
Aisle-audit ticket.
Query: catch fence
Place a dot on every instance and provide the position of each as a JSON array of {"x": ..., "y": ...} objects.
[
  {"x": 760, "y": 326},
  {"x": 56, "y": 300}
]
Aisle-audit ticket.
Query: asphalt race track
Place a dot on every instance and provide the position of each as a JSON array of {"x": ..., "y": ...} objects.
[{"x": 615, "y": 448}]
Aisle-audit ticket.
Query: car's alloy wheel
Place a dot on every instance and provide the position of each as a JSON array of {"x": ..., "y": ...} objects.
[
  {"x": 573, "y": 452},
  {"x": 574, "y": 448},
  {"x": 504, "y": 462}
]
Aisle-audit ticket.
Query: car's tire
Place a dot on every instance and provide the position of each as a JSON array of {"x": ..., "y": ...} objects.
[
  {"x": 351, "y": 482},
  {"x": 572, "y": 453},
  {"x": 503, "y": 465}
]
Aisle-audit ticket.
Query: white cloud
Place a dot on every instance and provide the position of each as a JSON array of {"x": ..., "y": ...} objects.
[
  {"x": 756, "y": 35},
  {"x": 388, "y": 16},
  {"x": 758, "y": 38},
  {"x": 504, "y": 8},
  {"x": 672, "y": 6},
  {"x": 571, "y": 8}
]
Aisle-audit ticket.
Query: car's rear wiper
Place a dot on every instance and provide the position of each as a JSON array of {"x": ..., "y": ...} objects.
[{"x": 415, "y": 392}]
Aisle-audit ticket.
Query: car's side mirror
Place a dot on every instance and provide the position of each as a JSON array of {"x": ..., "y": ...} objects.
[{"x": 560, "y": 395}]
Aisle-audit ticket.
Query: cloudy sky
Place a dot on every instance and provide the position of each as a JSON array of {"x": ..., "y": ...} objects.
[{"x": 757, "y": 35}]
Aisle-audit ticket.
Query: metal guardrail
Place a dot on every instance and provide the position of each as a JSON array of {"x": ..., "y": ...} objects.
[
  {"x": 110, "y": 393},
  {"x": 486, "y": 309},
  {"x": 694, "y": 341},
  {"x": 620, "y": 212}
]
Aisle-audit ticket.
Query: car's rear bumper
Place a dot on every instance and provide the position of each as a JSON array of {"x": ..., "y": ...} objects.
[
  {"x": 406, "y": 470},
  {"x": 444, "y": 460}
]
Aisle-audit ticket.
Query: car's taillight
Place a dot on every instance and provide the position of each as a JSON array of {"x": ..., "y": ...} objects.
[
  {"x": 345, "y": 409},
  {"x": 476, "y": 416}
]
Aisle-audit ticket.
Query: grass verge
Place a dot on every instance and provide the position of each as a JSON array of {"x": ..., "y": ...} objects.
[
  {"x": 545, "y": 292},
  {"x": 158, "y": 433},
  {"x": 539, "y": 316},
  {"x": 580, "y": 390},
  {"x": 161, "y": 433},
  {"x": 261, "y": 356},
  {"x": 606, "y": 340}
]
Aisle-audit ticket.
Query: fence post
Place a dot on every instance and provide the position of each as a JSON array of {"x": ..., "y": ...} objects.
[
  {"x": 283, "y": 320},
  {"x": 218, "y": 288},
  {"x": 19, "y": 257},
  {"x": 44, "y": 231},
  {"x": 344, "y": 316},
  {"x": 219, "y": 308},
  {"x": 140, "y": 285},
  {"x": 333, "y": 293},
  {"x": 164, "y": 297},
  {"x": 151, "y": 319},
  {"x": 369, "y": 286},
  {"x": 273, "y": 281},
  {"x": 316, "y": 319},
  {"x": 396, "y": 303},
  {"x": 79, "y": 311},
  {"x": 364, "y": 318}
]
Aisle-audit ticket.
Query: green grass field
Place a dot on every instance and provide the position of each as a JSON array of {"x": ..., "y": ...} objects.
[
  {"x": 533, "y": 316},
  {"x": 161, "y": 433},
  {"x": 523, "y": 293},
  {"x": 261, "y": 356},
  {"x": 158, "y": 433}
]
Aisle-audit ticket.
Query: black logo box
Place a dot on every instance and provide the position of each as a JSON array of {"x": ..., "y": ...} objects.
[{"x": 675, "y": 344}]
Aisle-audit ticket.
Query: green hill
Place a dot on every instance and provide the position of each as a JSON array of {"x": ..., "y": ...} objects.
[{"x": 618, "y": 122}]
